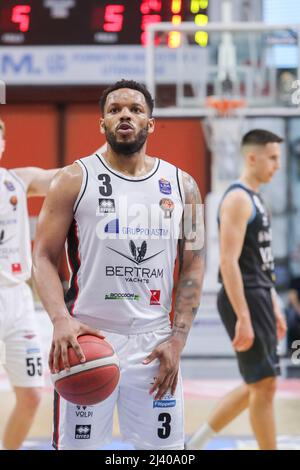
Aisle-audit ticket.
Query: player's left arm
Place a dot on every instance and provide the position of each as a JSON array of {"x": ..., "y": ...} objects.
[
  {"x": 279, "y": 316},
  {"x": 191, "y": 258},
  {"x": 36, "y": 180}
]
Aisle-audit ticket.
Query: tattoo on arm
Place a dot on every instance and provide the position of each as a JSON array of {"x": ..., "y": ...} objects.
[
  {"x": 191, "y": 260},
  {"x": 186, "y": 307},
  {"x": 192, "y": 233}
]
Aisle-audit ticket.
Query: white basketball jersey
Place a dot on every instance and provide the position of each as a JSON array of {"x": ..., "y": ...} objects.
[
  {"x": 122, "y": 246},
  {"x": 15, "y": 246}
]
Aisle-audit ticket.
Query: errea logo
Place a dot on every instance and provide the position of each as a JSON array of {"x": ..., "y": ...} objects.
[{"x": 83, "y": 431}]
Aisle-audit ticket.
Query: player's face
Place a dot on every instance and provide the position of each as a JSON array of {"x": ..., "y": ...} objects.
[
  {"x": 2, "y": 144},
  {"x": 267, "y": 161},
  {"x": 126, "y": 122}
]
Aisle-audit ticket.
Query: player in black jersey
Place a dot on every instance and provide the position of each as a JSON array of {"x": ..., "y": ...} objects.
[{"x": 247, "y": 301}]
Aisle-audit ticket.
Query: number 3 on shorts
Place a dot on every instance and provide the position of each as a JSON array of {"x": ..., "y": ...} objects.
[{"x": 165, "y": 430}]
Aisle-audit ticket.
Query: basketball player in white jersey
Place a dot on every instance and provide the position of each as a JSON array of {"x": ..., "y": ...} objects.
[
  {"x": 121, "y": 212},
  {"x": 20, "y": 346}
]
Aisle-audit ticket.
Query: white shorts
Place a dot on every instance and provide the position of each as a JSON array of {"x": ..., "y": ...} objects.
[
  {"x": 21, "y": 354},
  {"x": 147, "y": 423}
]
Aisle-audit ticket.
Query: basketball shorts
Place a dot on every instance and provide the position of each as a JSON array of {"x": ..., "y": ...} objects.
[
  {"x": 261, "y": 360},
  {"x": 21, "y": 354},
  {"x": 144, "y": 421}
]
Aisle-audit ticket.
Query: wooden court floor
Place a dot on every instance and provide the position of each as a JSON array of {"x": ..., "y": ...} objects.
[{"x": 197, "y": 409}]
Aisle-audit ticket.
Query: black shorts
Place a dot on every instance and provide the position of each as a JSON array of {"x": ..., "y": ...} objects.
[{"x": 261, "y": 360}]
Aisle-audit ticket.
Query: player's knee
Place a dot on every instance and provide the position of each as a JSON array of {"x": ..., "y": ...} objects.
[
  {"x": 266, "y": 388},
  {"x": 29, "y": 398}
]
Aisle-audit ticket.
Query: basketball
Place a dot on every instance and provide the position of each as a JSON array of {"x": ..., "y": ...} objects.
[{"x": 90, "y": 382}]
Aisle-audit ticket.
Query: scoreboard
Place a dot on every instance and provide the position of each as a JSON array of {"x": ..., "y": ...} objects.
[{"x": 95, "y": 22}]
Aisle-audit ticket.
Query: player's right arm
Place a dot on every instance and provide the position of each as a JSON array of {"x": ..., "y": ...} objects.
[
  {"x": 235, "y": 212},
  {"x": 54, "y": 222}
]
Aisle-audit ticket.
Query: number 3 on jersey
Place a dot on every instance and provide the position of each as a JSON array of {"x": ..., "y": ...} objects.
[{"x": 105, "y": 187}]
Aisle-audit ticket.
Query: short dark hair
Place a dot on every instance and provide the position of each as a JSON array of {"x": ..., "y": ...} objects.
[
  {"x": 133, "y": 85},
  {"x": 260, "y": 137}
]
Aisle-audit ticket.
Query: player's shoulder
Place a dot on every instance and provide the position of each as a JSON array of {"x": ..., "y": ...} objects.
[
  {"x": 237, "y": 202},
  {"x": 88, "y": 158},
  {"x": 235, "y": 196},
  {"x": 68, "y": 178},
  {"x": 76, "y": 169},
  {"x": 191, "y": 189},
  {"x": 170, "y": 165}
]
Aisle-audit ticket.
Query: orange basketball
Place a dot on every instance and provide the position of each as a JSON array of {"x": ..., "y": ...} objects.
[{"x": 92, "y": 381}]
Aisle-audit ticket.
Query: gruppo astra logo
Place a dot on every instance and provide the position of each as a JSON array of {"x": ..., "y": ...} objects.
[{"x": 138, "y": 253}]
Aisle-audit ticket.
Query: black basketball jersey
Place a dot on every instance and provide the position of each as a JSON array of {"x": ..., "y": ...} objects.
[{"x": 256, "y": 260}]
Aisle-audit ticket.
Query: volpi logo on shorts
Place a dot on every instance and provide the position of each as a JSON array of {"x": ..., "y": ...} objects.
[
  {"x": 122, "y": 296},
  {"x": 9, "y": 185},
  {"x": 155, "y": 297},
  {"x": 167, "y": 401},
  {"x": 83, "y": 412},
  {"x": 167, "y": 205},
  {"x": 107, "y": 206},
  {"x": 83, "y": 431},
  {"x": 165, "y": 186}
]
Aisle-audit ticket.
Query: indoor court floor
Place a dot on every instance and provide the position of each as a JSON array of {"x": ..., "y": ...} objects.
[{"x": 205, "y": 382}]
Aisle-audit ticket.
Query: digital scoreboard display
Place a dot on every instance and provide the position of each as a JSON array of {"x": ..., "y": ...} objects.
[{"x": 85, "y": 22}]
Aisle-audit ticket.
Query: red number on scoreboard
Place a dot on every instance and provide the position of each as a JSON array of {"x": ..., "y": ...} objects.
[
  {"x": 21, "y": 16},
  {"x": 150, "y": 5},
  {"x": 113, "y": 18},
  {"x": 148, "y": 19}
]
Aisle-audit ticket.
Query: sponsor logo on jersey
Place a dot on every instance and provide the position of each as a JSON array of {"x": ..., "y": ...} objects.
[
  {"x": 16, "y": 268},
  {"x": 134, "y": 274},
  {"x": 14, "y": 201},
  {"x": 107, "y": 206},
  {"x": 33, "y": 350},
  {"x": 155, "y": 297},
  {"x": 167, "y": 205},
  {"x": 165, "y": 186},
  {"x": 164, "y": 403},
  {"x": 167, "y": 401},
  {"x": 8, "y": 222},
  {"x": 9, "y": 185},
  {"x": 265, "y": 236},
  {"x": 114, "y": 227},
  {"x": 83, "y": 431},
  {"x": 122, "y": 296},
  {"x": 82, "y": 412},
  {"x": 138, "y": 253},
  {"x": 2, "y": 235},
  {"x": 145, "y": 231},
  {"x": 29, "y": 335}
]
